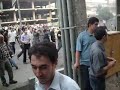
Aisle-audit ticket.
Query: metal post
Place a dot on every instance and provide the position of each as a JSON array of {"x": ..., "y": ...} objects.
[
  {"x": 67, "y": 39},
  {"x": 63, "y": 35},
  {"x": 19, "y": 13},
  {"x": 72, "y": 35}
]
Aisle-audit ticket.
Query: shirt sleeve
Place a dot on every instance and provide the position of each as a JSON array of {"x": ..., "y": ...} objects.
[{"x": 79, "y": 43}]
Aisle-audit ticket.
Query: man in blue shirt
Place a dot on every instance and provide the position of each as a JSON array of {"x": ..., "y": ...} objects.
[
  {"x": 84, "y": 42},
  {"x": 25, "y": 40},
  {"x": 43, "y": 58}
]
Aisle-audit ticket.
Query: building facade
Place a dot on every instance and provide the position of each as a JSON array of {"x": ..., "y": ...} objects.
[{"x": 31, "y": 11}]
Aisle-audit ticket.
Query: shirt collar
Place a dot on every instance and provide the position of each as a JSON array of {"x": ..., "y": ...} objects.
[
  {"x": 88, "y": 33},
  {"x": 100, "y": 44},
  {"x": 55, "y": 85}
]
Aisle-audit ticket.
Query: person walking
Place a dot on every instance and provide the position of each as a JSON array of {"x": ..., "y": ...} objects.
[
  {"x": 5, "y": 63},
  {"x": 25, "y": 40}
]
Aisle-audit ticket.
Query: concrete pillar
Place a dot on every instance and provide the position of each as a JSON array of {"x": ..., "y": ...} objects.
[
  {"x": 33, "y": 6},
  {"x": 34, "y": 15},
  {"x": 14, "y": 15},
  {"x": 79, "y": 15},
  {"x": 50, "y": 12}
]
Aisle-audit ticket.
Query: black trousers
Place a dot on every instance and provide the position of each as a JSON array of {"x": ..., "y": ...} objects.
[
  {"x": 21, "y": 52},
  {"x": 13, "y": 46},
  {"x": 85, "y": 82},
  {"x": 25, "y": 48}
]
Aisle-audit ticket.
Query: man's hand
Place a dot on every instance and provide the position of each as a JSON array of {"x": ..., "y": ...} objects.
[
  {"x": 77, "y": 65},
  {"x": 112, "y": 63},
  {"x": 110, "y": 59}
]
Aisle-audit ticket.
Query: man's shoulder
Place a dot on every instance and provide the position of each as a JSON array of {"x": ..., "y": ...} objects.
[
  {"x": 68, "y": 83},
  {"x": 95, "y": 49},
  {"x": 82, "y": 34}
]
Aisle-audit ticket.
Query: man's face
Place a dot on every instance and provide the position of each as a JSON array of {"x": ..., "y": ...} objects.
[
  {"x": 43, "y": 68},
  {"x": 94, "y": 26}
]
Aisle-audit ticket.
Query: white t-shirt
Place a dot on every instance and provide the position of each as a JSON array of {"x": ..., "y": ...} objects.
[{"x": 11, "y": 36}]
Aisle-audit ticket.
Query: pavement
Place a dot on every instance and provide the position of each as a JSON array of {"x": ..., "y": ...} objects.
[{"x": 24, "y": 71}]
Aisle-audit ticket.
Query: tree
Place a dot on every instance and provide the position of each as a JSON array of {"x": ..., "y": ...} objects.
[{"x": 104, "y": 13}]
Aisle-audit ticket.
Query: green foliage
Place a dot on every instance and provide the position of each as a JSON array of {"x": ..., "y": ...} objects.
[{"x": 104, "y": 13}]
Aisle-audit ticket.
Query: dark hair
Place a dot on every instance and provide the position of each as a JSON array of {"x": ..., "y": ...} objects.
[
  {"x": 100, "y": 32},
  {"x": 92, "y": 20},
  {"x": 47, "y": 49}
]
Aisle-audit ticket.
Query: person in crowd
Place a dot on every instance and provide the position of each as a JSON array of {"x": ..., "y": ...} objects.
[
  {"x": 59, "y": 40},
  {"x": 52, "y": 34},
  {"x": 84, "y": 41},
  {"x": 99, "y": 62},
  {"x": 35, "y": 36},
  {"x": 43, "y": 57},
  {"x": 11, "y": 39},
  {"x": 25, "y": 40},
  {"x": 5, "y": 63},
  {"x": 21, "y": 45},
  {"x": 46, "y": 36}
]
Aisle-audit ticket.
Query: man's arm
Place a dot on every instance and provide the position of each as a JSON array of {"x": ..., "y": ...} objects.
[
  {"x": 77, "y": 62},
  {"x": 109, "y": 66},
  {"x": 78, "y": 51}
]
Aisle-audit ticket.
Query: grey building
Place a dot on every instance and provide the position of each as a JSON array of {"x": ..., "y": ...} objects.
[{"x": 32, "y": 11}]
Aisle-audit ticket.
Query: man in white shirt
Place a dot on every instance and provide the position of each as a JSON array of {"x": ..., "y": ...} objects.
[
  {"x": 43, "y": 57},
  {"x": 11, "y": 38}
]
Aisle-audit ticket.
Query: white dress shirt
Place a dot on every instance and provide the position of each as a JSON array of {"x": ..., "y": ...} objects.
[{"x": 60, "y": 82}]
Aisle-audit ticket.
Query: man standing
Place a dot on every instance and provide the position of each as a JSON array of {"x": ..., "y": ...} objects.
[
  {"x": 84, "y": 42},
  {"x": 43, "y": 58},
  {"x": 5, "y": 63},
  {"x": 99, "y": 63},
  {"x": 25, "y": 40},
  {"x": 52, "y": 34},
  {"x": 11, "y": 39}
]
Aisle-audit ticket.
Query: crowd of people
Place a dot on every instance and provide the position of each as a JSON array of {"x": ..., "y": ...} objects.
[
  {"x": 43, "y": 54},
  {"x": 25, "y": 37}
]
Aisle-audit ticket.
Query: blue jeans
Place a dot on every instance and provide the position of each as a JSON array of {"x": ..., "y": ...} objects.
[
  {"x": 97, "y": 83},
  {"x": 13, "y": 62}
]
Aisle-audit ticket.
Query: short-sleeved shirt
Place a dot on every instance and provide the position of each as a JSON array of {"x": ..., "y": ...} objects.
[
  {"x": 84, "y": 42},
  {"x": 98, "y": 59},
  {"x": 60, "y": 82}
]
